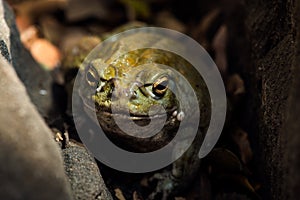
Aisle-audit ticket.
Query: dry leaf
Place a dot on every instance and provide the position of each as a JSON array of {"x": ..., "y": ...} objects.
[
  {"x": 235, "y": 85},
  {"x": 179, "y": 198},
  {"x": 135, "y": 196},
  {"x": 22, "y": 22},
  {"x": 28, "y": 36},
  {"x": 45, "y": 53},
  {"x": 240, "y": 137},
  {"x": 119, "y": 194},
  {"x": 219, "y": 44}
]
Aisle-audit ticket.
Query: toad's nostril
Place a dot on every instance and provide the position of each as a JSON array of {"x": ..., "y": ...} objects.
[
  {"x": 128, "y": 93},
  {"x": 134, "y": 95},
  {"x": 133, "y": 89}
]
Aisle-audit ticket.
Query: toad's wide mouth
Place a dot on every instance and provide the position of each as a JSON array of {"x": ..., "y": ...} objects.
[
  {"x": 102, "y": 111},
  {"x": 131, "y": 142},
  {"x": 131, "y": 116}
]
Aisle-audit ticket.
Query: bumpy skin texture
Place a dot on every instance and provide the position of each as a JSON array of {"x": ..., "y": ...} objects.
[
  {"x": 134, "y": 74},
  {"x": 137, "y": 74}
]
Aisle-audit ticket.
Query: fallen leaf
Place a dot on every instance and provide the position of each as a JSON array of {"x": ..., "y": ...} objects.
[
  {"x": 22, "y": 22},
  {"x": 179, "y": 198},
  {"x": 219, "y": 45},
  {"x": 240, "y": 137},
  {"x": 135, "y": 196},
  {"x": 28, "y": 36},
  {"x": 235, "y": 85},
  {"x": 45, "y": 53},
  {"x": 119, "y": 194}
]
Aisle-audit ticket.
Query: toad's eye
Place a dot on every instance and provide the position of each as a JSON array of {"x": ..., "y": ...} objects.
[
  {"x": 160, "y": 86},
  {"x": 92, "y": 77}
]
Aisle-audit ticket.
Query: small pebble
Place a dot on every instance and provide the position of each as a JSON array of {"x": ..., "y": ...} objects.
[{"x": 43, "y": 92}]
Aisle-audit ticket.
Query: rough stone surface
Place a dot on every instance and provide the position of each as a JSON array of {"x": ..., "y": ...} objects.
[
  {"x": 272, "y": 34},
  {"x": 292, "y": 125},
  {"x": 85, "y": 178},
  {"x": 33, "y": 160},
  {"x": 31, "y": 163},
  {"x": 38, "y": 87},
  {"x": 4, "y": 50},
  {"x": 4, "y": 34}
]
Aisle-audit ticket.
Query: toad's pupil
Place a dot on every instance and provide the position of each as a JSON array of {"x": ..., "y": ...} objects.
[{"x": 162, "y": 85}]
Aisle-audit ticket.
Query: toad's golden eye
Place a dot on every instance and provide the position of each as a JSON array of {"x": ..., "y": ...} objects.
[
  {"x": 92, "y": 76},
  {"x": 160, "y": 87}
]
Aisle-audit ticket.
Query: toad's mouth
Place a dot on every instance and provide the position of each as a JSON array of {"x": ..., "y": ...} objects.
[
  {"x": 102, "y": 111},
  {"x": 135, "y": 143},
  {"x": 131, "y": 116}
]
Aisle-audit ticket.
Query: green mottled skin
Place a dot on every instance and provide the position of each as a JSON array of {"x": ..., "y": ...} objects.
[
  {"x": 125, "y": 68},
  {"x": 120, "y": 68},
  {"x": 125, "y": 71}
]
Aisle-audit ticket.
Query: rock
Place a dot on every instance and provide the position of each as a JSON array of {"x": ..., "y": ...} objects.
[
  {"x": 4, "y": 35},
  {"x": 39, "y": 87},
  {"x": 31, "y": 163},
  {"x": 272, "y": 41},
  {"x": 85, "y": 178},
  {"x": 4, "y": 50}
]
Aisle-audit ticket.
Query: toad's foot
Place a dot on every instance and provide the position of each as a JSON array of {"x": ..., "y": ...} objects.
[{"x": 166, "y": 186}]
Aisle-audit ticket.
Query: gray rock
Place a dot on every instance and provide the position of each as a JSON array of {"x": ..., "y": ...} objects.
[
  {"x": 38, "y": 87},
  {"x": 31, "y": 163},
  {"x": 4, "y": 50},
  {"x": 33, "y": 166},
  {"x": 4, "y": 35},
  {"x": 85, "y": 178}
]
